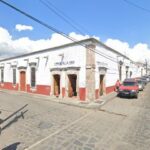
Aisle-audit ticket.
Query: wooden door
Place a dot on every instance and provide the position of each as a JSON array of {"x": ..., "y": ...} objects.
[
  {"x": 70, "y": 89},
  {"x": 101, "y": 85},
  {"x": 22, "y": 81},
  {"x": 72, "y": 85},
  {"x": 56, "y": 85}
]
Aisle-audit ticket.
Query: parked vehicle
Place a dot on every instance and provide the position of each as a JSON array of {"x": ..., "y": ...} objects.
[
  {"x": 129, "y": 88},
  {"x": 144, "y": 80},
  {"x": 141, "y": 85},
  {"x": 147, "y": 78}
]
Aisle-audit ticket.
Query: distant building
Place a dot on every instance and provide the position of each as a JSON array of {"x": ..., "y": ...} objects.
[{"x": 71, "y": 70}]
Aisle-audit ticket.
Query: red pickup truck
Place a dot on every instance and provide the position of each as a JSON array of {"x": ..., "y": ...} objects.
[{"x": 129, "y": 88}]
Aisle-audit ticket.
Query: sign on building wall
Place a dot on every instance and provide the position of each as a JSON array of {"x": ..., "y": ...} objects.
[
  {"x": 102, "y": 64},
  {"x": 64, "y": 63}
]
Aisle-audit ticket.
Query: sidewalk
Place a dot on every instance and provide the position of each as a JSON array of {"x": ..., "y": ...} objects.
[{"x": 96, "y": 104}]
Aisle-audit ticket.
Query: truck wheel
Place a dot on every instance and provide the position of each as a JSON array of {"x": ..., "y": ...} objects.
[{"x": 136, "y": 96}]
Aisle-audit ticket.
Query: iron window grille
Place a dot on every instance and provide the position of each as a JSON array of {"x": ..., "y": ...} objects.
[
  {"x": 14, "y": 76},
  {"x": 33, "y": 77},
  {"x": 2, "y": 75}
]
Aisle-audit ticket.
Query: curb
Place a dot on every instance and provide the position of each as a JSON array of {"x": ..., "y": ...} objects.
[{"x": 96, "y": 104}]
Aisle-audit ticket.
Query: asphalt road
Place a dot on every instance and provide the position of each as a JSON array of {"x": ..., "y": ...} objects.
[{"x": 121, "y": 124}]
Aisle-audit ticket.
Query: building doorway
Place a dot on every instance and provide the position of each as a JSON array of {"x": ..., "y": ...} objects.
[
  {"x": 101, "y": 85},
  {"x": 22, "y": 81},
  {"x": 56, "y": 79},
  {"x": 72, "y": 85}
]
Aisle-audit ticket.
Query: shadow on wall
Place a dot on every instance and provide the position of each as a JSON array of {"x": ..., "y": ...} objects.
[{"x": 12, "y": 146}]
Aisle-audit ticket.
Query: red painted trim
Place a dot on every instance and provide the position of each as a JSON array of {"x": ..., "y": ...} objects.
[
  {"x": 9, "y": 86},
  {"x": 110, "y": 89},
  {"x": 96, "y": 93},
  {"x": 40, "y": 89},
  {"x": 63, "y": 92},
  {"x": 82, "y": 94}
]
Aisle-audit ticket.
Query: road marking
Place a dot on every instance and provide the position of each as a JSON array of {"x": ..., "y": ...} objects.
[{"x": 58, "y": 131}]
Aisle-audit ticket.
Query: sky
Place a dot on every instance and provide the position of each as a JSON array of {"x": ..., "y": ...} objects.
[{"x": 121, "y": 26}]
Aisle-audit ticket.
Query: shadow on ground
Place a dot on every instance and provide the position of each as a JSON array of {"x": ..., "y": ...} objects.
[{"x": 12, "y": 146}]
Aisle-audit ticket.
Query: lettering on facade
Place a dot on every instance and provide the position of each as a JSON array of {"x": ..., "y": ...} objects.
[
  {"x": 64, "y": 63},
  {"x": 102, "y": 64}
]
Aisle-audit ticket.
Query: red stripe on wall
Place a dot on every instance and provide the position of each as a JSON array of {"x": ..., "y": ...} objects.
[
  {"x": 63, "y": 92},
  {"x": 39, "y": 89},
  {"x": 110, "y": 89},
  {"x": 96, "y": 93},
  {"x": 9, "y": 86},
  {"x": 82, "y": 94}
]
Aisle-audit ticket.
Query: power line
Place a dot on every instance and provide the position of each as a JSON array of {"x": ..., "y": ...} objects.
[
  {"x": 37, "y": 20},
  {"x": 64, "y": 16},
  {"x": 45, "y": 3},
  {"x": 137, "y": 6},
  {"x": 59, "y": 13},
  {"x": 55, "y": 30}
]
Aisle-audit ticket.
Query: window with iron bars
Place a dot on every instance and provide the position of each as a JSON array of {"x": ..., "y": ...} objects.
[
  {"x": 2, "y": 75},
  {"x": 14, "y": 76},
  {"x": 33, "y": 77}
]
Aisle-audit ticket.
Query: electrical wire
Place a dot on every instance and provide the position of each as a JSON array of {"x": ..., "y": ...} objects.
[
  {"x": 60, "y": 15},
  {"x": 56, "y": 30},
  {"x": 52, "y": 28},
  {"x": 137, "y": 6},
  {"x": 65, "y": 17}
]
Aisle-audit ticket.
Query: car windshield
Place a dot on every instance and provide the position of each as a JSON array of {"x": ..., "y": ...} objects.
[
  {"x": 139, "y": 82},
  {"x": 129, "y": 83},
  {"x": 143, "y": 78}
]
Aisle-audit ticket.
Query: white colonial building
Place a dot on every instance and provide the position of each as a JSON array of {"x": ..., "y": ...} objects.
[{"x": 84, "y": 70}]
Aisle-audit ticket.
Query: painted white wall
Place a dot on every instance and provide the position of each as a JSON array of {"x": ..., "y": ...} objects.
[
  {"x": 74, "y": 56},
  {"x": 112, "y": 73}
]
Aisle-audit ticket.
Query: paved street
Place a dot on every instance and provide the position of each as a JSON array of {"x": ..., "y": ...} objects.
[{"x": 121, "y": 124}]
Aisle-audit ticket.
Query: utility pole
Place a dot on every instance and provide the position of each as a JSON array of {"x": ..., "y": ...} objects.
[{"x": 146, "y": 65}]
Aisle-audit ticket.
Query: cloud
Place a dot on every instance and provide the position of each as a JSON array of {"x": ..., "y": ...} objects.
[
  {"x": 20, "y": 27},
  {"x": 139, "y": 52},
  {"x": 10, "y": 47}
]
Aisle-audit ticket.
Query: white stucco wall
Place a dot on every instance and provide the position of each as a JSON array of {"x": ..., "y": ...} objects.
[
  {"x": 74, "y": 56},
  {"x": 112, "y": 73}
]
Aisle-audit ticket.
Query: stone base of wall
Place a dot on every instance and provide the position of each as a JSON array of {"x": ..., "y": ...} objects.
[
  {"x": 96, "y": 93},
  {"x": 9, "y": 86},
  {"x": 45, "y": 90},
  {"x": 82, "y": 94},
  {"x": 108, "y": 90},
  {"x": 40, "y": 89}
]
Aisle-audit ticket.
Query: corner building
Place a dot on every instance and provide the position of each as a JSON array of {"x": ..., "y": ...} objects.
[{"x": 71, "y": 70}]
